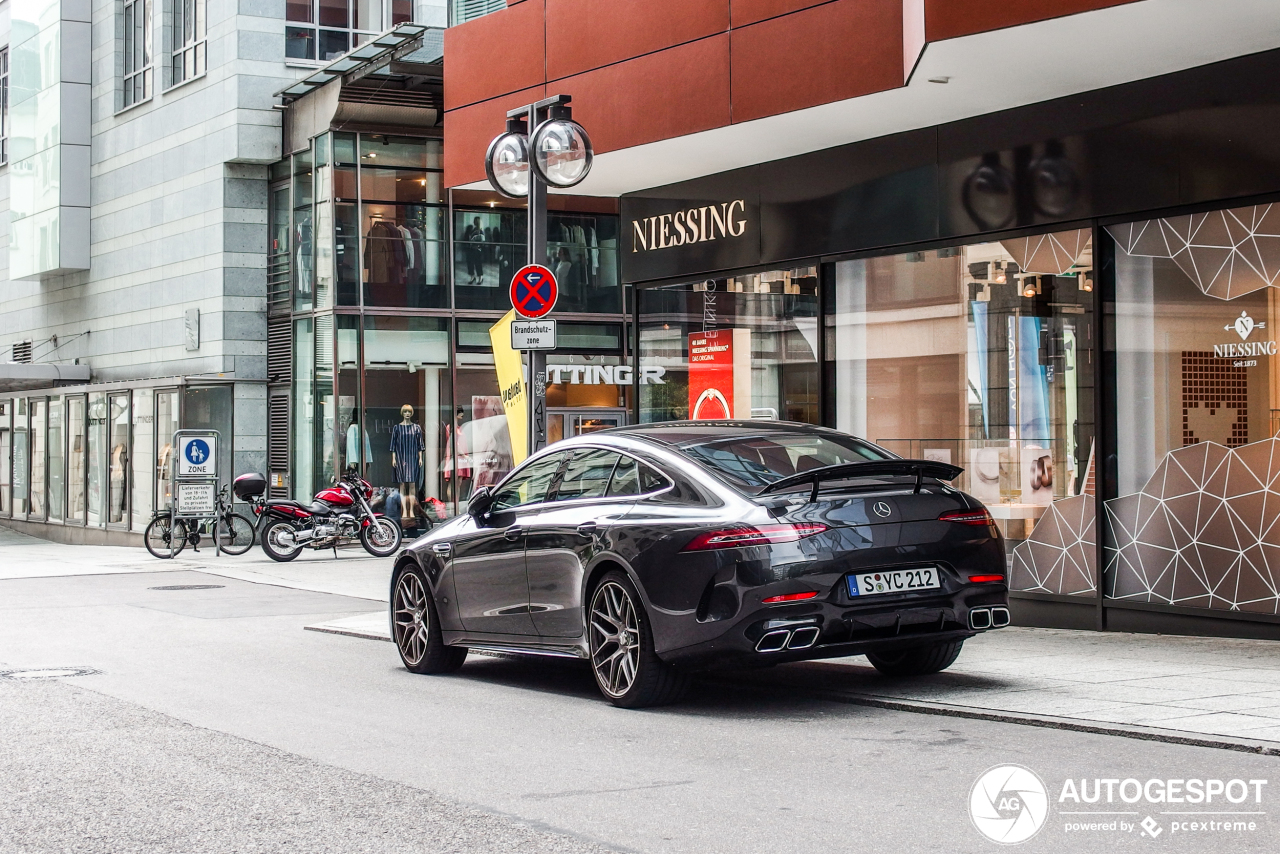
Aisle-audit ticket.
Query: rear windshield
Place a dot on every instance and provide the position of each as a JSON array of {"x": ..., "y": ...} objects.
[{"x": 757, "y": 461}]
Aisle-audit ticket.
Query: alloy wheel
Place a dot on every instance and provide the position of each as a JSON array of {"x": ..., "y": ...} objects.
[
  {"x": 615, "y": 639},
  {"x": 411, "y": 618}
]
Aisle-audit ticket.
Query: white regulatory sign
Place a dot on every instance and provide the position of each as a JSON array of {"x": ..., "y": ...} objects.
[
  {"x": 196, "y": 498},
  {"x": 197, "y": 455},
  {"x": 533, "y": 335}
]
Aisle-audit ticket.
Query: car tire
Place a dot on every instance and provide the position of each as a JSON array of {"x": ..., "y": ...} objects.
[
  {"x": 627, "y": 670},
  {"x": 917, "y": 660},
  {"x": 415, "y": 626}
]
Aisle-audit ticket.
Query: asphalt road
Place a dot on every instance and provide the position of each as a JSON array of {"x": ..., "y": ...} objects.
[{"x": 217, "y": 724}]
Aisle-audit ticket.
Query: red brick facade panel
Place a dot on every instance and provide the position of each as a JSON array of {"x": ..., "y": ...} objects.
[
  {"x": 468, "y": 131},
  {"x": 827, "y": 53},
  {"x": 586, "y": 34},
  {"x": 672, "y": 93},
  {"x": 494, "y": 55},
  {"x": 949, "y": 19},
  {"x": 746, "y": 12}
]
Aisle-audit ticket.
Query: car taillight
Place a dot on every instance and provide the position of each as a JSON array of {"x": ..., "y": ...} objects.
[
  {"x": 983, "y": 579},
  {"x": 753, "y": 535},
  {"x": 977, "y": 518},
  {"x": 789, "y": 597}
]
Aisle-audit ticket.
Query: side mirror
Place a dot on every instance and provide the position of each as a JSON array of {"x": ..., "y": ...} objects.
[{"x": 480, "y": 502}]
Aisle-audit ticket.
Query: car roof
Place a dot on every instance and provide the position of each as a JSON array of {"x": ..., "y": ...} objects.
[{"x": 681, "y": 434}]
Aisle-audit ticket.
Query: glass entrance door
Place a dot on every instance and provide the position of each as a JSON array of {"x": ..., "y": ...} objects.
[{"x": 563, "y": 423}]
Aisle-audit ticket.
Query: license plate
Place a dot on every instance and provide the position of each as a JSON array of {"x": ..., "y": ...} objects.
[{"x": 894, "y": 581}]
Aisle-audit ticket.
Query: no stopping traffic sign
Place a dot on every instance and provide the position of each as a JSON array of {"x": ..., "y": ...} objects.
[{"x": 534, "y": 291}]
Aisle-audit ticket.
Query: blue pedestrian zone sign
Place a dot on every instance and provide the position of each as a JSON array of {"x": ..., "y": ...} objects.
[{"x": 198, "y": 456}]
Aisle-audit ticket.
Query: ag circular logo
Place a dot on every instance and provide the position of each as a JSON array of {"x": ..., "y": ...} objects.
[
  {"x": 882, "y": 509},
  {"x": 197, "y": 452},
  {"x": 1009, "y": 804}
]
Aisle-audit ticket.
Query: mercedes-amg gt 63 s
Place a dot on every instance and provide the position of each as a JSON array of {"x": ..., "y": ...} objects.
[{"x": 657, "y": 550}]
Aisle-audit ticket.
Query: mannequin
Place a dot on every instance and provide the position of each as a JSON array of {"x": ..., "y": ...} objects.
[{"x": 406, "y": 461}]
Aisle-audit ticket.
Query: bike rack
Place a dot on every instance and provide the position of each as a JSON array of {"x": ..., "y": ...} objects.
[{"x": 175, "y": 479}]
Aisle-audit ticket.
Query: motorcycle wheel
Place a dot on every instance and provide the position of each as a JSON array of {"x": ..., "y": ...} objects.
[
  {"x": 381, "y": 537},
  {"x": 271, "y": 541}
]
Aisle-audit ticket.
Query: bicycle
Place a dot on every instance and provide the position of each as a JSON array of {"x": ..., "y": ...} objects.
[{"x": 166, "y": 537}]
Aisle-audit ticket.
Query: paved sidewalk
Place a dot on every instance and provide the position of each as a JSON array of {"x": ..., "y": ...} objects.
[{"x": 352, "y": 572}]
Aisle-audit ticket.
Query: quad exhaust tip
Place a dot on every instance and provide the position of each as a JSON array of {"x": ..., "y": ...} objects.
[
  {"x": 989, "y": 618},
  {"x": 780, "y": 639}
]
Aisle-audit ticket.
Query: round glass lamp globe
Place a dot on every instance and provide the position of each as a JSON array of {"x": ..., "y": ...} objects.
[
  {"x": 562, "y": 152},
  {"x": 507, "y": 163}
]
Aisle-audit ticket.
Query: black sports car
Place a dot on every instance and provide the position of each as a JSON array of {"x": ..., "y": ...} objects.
[{"x": 655, "y": 550}]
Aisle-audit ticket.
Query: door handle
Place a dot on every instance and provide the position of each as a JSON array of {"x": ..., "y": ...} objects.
[
  {"x": 588, "y": 530},
  {"x": 442, "y": 549},
  {"x": 513, "y": 533}
]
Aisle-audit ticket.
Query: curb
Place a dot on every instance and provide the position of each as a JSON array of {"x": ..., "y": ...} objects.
[{"x": 1141, "y": 733}]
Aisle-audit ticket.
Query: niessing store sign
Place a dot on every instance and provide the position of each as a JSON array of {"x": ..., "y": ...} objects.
[{"x": 695, "y": 225}]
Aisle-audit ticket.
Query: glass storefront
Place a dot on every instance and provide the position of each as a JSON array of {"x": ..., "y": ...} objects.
[
  {"x": 101, "y": 458},
  {"x": 1193, "y": 520},
  {"x": 582, "y": 251},
  {"x": 743, "y": 346}
]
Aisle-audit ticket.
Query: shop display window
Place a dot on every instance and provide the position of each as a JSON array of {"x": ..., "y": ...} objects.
[
  {"x": 304, "y": 409},
  {"x": 76, "y": 453},
  {"x": 301, "y": 236},
  {"x": 1193, "y": 495},
  {"x": 39, "y": 441},
  {"x": 142, "y": 458},
  {"x": 167, "y": 423},
  {"x": 980, "y": 356},
  {"x": 118, "y": 473},
  {"x": 482, "y": 451},
  {"x": 401, "y": 435},
  {"x": 210, "y": 407},
  {"x": 57, "y": 462},
  {"x": 6, "y": 451},
  {"x": 21, "y": 458},
  {"x": 582, "y": 250},
  {"x": 738, "y": 347},
  {"x": 97, "y": 457}
]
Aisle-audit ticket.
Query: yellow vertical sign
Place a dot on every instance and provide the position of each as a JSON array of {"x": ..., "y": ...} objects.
[{"x": 511, "y": 385}]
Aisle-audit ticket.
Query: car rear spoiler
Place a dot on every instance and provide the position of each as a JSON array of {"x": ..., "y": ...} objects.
[{"x": 871, "y": 468}]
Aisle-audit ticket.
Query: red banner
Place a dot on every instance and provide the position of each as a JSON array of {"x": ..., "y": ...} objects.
[{"x": 720, "y": 374}]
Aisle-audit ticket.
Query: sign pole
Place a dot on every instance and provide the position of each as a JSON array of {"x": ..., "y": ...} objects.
[{"x": 537, "y": 359}]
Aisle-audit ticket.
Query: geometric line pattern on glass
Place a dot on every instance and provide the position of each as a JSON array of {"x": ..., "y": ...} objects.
[
  {"x": 1060, "y": 556},
  {"x": 1052, "y": 254},
  {"x": 1204, "y": 532},
  {"x": 1227, "y": 253}
]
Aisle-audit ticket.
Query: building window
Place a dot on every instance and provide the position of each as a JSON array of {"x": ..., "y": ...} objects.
[
  {"x": 189, "y": 52},
  {"x": 468, "y": 10},
  {"x": 4, "y": 105},
  {"x": 325, "y": 29},
  {"x": 137, "y": 52}
]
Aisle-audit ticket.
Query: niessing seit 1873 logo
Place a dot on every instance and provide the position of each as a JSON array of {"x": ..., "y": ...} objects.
[{"x": 1009, "y": 804}]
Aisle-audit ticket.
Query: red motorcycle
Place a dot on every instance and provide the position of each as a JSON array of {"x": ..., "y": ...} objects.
[{"x": 338, "y": 514}]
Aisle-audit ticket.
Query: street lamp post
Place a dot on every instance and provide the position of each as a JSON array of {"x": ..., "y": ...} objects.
[{"x": 542, "y": 146}]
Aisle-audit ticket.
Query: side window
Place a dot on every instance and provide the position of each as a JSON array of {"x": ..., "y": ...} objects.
[
  {"x": 635, "y": 478},
  {"x": 626, "y": 478},
  {"x": 529, "y": 485},
  {"x": 586, "y": 475},
  {"x": 651, "y": 481}
]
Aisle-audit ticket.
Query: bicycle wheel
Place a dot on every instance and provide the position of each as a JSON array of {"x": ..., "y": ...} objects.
[
  {"x": 234, "y": 534},
  {"x": 159, "y": 535}
]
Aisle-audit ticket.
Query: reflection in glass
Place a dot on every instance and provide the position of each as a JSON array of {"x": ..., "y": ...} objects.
[
  {"x": 57, "y": 462},
  {"x": 97, "y": 457},
  {"x": 303, "y": 439},
  {"x": 6, "y": 449},
  {"x": 759, "y": 331},
  {"x": 142, "y": 459},
  {"x": 166, "y": 425},
  {"x": 118, "y": 461},
  {"x": 77, "y": 451},
  {"x": 37, "y": 483}
]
